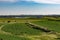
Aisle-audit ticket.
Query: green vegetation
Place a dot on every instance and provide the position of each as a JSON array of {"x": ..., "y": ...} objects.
[
  {"x": 16, "y": 29},
  {"x": 1, "y": 24},
  {"x": 52, "y": 25},
  {"x": 9, "y": 37},
  {"x": 20, "y": 29}
]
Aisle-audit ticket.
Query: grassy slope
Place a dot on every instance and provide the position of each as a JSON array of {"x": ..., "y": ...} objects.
[
  {"x": 1, "y": 24},
  {"x": 9, "y": 37},
  {"x": 53, "y": 25},
  {"x": 23, "y": 29},
  {"x": 20, "y": 29}
]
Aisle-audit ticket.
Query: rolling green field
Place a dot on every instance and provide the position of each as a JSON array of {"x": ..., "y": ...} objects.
[
  {"x": 52, "y": 25},
  {"x": 16, "y": 29},
  {"x": 20, "y": 29},
  {"x": 9, "y": 37}
]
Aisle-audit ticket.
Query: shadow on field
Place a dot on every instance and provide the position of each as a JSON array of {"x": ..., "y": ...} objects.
[{"x": 37, "y": 27}]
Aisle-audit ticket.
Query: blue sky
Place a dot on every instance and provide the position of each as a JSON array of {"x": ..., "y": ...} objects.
[{"x": 29, "y": 7}]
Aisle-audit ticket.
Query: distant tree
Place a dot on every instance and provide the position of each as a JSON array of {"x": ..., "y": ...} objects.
[
  {"x": 15, "y": 20},
  {"x": 9, "y": 21}
]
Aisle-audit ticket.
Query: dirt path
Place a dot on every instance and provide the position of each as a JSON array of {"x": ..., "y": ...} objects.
[
  {"x": 38, "y": 37},
  {"x": 3, "y": 32}
]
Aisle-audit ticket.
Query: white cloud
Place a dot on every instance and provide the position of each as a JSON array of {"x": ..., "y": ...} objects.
[
  {"x": 37, "y": 1},
  {"x": 48, "y": 1}
]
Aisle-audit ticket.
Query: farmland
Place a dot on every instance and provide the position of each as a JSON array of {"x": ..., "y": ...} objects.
[{"x": 16, "y": 29}]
